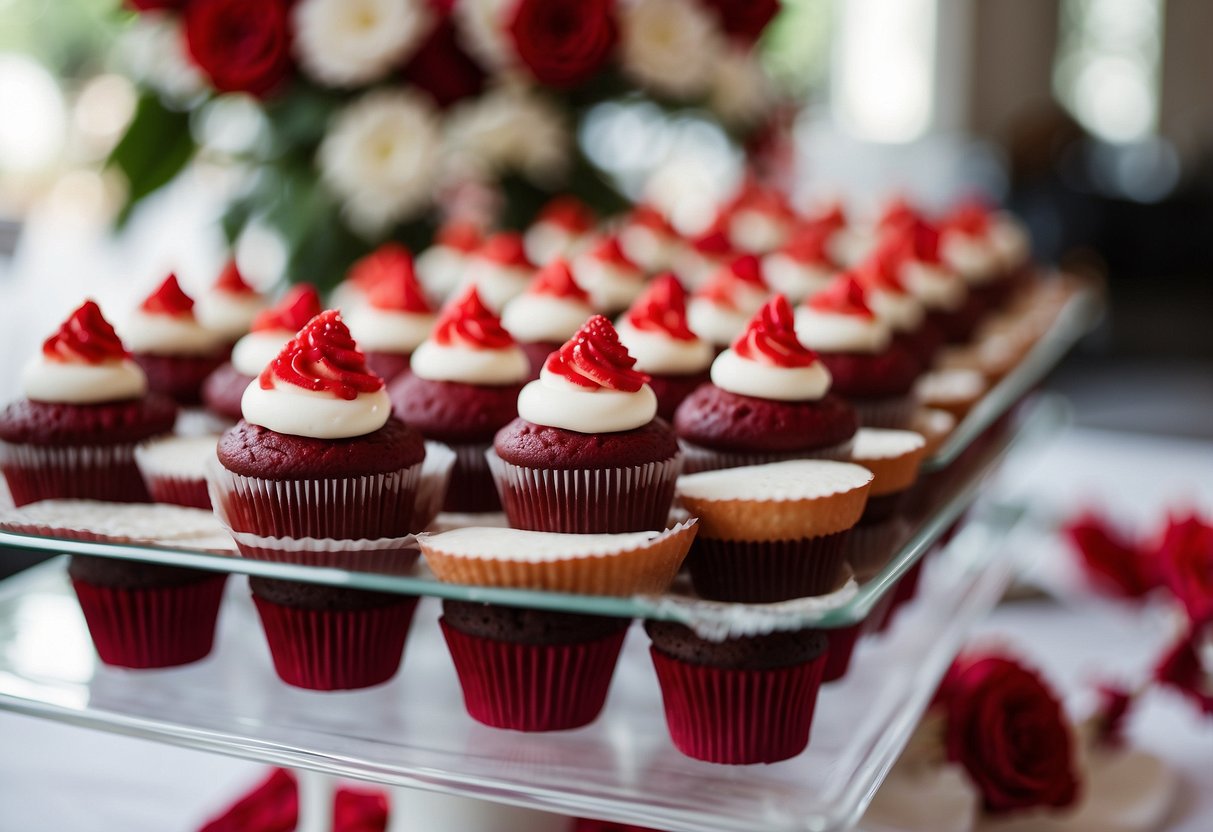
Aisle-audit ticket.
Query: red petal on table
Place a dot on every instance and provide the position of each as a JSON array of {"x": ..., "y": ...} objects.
[
  {"x": 272, "y": 806},
  {"x": 1112, "y": 562}
]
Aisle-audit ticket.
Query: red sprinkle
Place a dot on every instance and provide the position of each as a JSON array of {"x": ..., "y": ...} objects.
[
  {"x": 662, "y": 308},
  {"x": 466, "y": 321},
  {"x": 556, "y": 280},
  {"x": 231, "y": 281},
  {"x": 595, "y": 359},
  {"x": 85, "y": 336},
  {"x": 506, "y": 249},
  {"x": 292, "y": 311},
  {"x": 844, "y": 296},
  {"x": 770, "y": 337},
  {"x": 168, "y": 299},
  {"x": 323, "y": 358},
  {"x": 569, "y": 213}
]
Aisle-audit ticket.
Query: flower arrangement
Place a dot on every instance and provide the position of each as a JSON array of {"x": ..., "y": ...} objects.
[{"x": 379, "y": 116}]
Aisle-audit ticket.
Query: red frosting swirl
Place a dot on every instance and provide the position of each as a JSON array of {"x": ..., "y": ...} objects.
[
  {"x": 646, "y": 216},
  {"x": 231, "y": 281},
  {"x": 323, "y": 358},
  {"x": 460, "y": 235},
  {"x": 292, "y": 311},
  {"x": 746, "y": 269},
  {"x": 833, "y": 217},
  {"x": 770, "y": 337},
  {"x": 397, "y": 289},
  {"x": 505, "y": 248},
  {"x": 86, "y": 336},
  {"x": 762, "y": 200},
  {"x": 662, "y": 308},
  {"x": 569, "y": 213},
  {"x": 595, "y": 359},
  {"x": 556, "y": 280},
  {"x": 882, "y": 269},
  {"x": 898, "y": 212},
  {"x": 609, "y": 251},
  {"x": 810, "y": 244},
  {"x": 467, "y": 322},
  {"x": 713, "y": 243},
  {"x": 168, "y": 299},
  {"x": 971, "y": 218},
  {"x": 844, "y": 296}
]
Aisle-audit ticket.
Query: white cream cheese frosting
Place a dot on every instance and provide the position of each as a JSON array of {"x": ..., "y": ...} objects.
[
  {"x": 252, "y": 352},
  {"x": 557, "y": 403},
  {"x": 58, "y": 382},
  {"x": 229, "y": 314},
  {"x": 469, "y": 365},
  {"x": 660, "y": 354},
  {"x": 740, "y": 375},
  {"x": 285, "y": 408},
  {"x": 840, "y": 332},
  {"x": 531, "y": 318},
  {"x": 388, "y": 330},
  {"x": 168, "y": 335},
  {"x": 794, "y": 279}
]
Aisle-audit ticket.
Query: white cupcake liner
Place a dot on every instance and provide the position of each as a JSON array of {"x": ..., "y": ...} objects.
[
  {"x": 436, "y": 471},
  {"x": 698, "y": 458},
  {"x": 387, "y": 555},
  {"x": 894, "y": 412},
  {"x": 586, "y": 500}
]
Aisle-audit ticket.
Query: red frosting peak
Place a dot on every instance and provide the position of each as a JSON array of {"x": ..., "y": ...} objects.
[
  {"x": 720, "y": 290},
  {"x": 897, "y": 212},
  {"x": 662, "y": 308},
  {"x": 569, "y": 213},
  {"x": 810, "y": 244},
  {"x": 770, "y": 337},
  {"x": 467, "y": 322},
  {"x": 609, "y": 251},
  {"x": 646, "y": 216},
  {"x": 231, "y": 281},
  {"x": 713, "y": 243},
  {"x": 506, "y": 249},
  {"x": 747, "y": 269},
  {"x": 460, "y": 235},
  {"x": 396, "y": 289},
  {"x": 594, "y": 358},
  {"x": 292, "y": 311},
  {"x": 971, "y": 218},
  {"x": 882, "y": 269},
  {"x": 86, "y": 336},
  {"x": 323, "y": 358},
  {"x": 761, "y": 199},
  {"x": 556, "y": 280},
  {"x": 833, "y": 217},
  {"x": 844, "y": 296},
  {"x": 917, "y": 239},
  {"x": 168, "y": 299}
]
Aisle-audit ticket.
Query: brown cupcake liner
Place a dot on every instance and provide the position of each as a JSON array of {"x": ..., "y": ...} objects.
[
  {"x": 472, "y": 490},
  {"x": 893, "y": 474},
  {"x": 698, "y": 458},
  {"x": 895, "y": 412},
  {"x": 768, "y": 571},
  {"x": 82, "y": 472},
  {"x": 436, "y": 472},
  {"x": 586, "y": 500},
  {"x": 870, "y": 547},
  {"x": 648, "y": 568},
  {"x": 743, "y": 519}
]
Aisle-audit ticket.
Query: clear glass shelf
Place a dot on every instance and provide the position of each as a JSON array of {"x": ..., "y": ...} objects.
[{"x": 412, "y": 732}]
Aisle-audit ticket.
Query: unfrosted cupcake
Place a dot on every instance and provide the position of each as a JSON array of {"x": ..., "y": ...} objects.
[
  {"x": 440, "y": 267},
  {"x": 463, "y": 388},
  {"x": 769, "y": 400},
  {"x": 648, "y": 239},
  {"x": 500, "y": 269},
  {"x": 720, "y": 309},
  {"x": 802, "y": 266},
  {"x": 558, "y": 229},
  {"x": 271, "y": 330},
  {"x": 230, "y": 306},
  {"x": 172, "y": 346},
  {"x": 868, "y": 367},
  {"x": 548, "y": 313},
  {"x": 395, "y": 317},
  {"x": 587, "y": 453},
  {"x": 608, "y": 274},
  {"x": 893, "y": 457},
  {"x": 655, "y": 332},
  {"x": 174, "y": 468}
]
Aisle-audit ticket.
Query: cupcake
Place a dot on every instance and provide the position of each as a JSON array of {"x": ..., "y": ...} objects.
[
  {"x": 802, "y": 266},
  {"x": 587, "y": 454},
  {"x": 955, "y": 391},
  {"x": 758, "y": 219},
  {"x": 558, "y": 229},
  {"x": 769, "y": 400},
  {"x": 174, "y": 469},
  {"x": 174, "y": 349},
  {"x": 548, "y": 313},
  {"x": 699, "y": 257},
  {"x": 463, "y": 388},
  {"x": 655, "y": 331},
  {"x": 893, "y": 457},
  {"x": 270, "y": 332},
  {"x": 500, "y": 269},
  {"x": 648, "y": 239},
  {"x": 85, "y": 409},
  {"x": 950, "y": 307},
  {"x": 395, "y": 317},
  {"x": 739, "y": 701},
  {"x": 986, "y": 253},
  {"x": 609, "y": 275},
  {"x": 891, "y": 300},
  {"x": 440, "y": 267},
  {"x": 868, "y": 367},
  {"x": 720, "y": 309},
  {"x": 773, "y": 532},
  {"x": 230, "y": 306}
]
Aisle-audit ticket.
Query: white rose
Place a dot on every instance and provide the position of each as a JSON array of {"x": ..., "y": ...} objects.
[
  {"x": 380, "y": 157},
  {"x": 669, "y": 46},
  {"x": 741, "y": 92},
  {"x": 481, "y": 28},
  {"x": 154, "y": 53},
  {"x": 509, "y": 129},
  {"x": 344, "y": 43}
]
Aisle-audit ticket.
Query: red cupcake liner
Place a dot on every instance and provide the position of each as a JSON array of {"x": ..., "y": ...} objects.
[
  {"x": 843, "y": 641},
  {"x": 587, "y": 501},
  {"x": 766, "y": 571},
  {"x": 336, "y": 649},
  {"x": 390, "y": 556},
  {"x": 738, "y": 717},
  {"x": 902, "y": 594},
  {"x": 894, "y": 412},
  {"x": 61, "y": 472},
  {"x": 180, "y": 377},
  {"x": 697, "y": 458},
  {"x": 472, "y": 490},
  {"x": 881, "y": 614},
  {"x": 152, "y": 627},
  {"x": 533, "y": 687},
  {"x": 179, "y": 491}
]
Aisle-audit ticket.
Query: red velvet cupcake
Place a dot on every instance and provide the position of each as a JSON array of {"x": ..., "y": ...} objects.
[
  {"x": 758, "y": 219},
  {"x": 769, "y": 400},
  {"x": 463, "y": 388},
  {"x": 802, "y": 266},
  {"x": 648, "y": 239},
  {"x": 440, "y": 267},
  {"x": 587, "y": 453},
  {"x": 608, "y": 274},
  {"x": 231, "y": 305},
  {"x": 720, "y": 309},
  {"x": 395, "y": 317},
  {"x": 174, "y": 468},
  {"x": 867, "y": 365},
  {"x": 655, "y": 331},
  {"x": 990, "y": 251},
  {"x": 271, "y": 331},
  {"x": 500, "y": 269},
  {"x": 890, "y": 298},
  {"x": 172, "y": 346},
  {"x": 699, "y": 257},
  {"x": 951, "y": 308},
  {"x": 548, "y": 313},
  {"x": 558, "y": 230}
]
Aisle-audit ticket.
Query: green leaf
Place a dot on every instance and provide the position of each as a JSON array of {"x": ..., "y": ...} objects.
[{"x": 156, "y": 146}]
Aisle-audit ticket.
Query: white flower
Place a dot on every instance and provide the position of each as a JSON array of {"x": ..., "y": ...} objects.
[
  {"x": 481, "y": 28},
  {"x": 344, "y": 43},
  {"x": 380, "y": 157},
  {"x": 669, "y": 45},
  {"x": 155, "y": 54},
  {"x": 741, "y": 92},
  {"x": 509, "y": 129}
]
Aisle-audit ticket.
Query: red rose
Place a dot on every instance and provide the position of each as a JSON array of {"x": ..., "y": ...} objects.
[
  {"x": 560, "y": 42},
  {"x": 1111, "y": 561},
  {"x": 241, "y": 46},
  {"x": 743, "y": 19},
  {"x": 1112, "y": 713},
  {"x": 587, "y": 825},
  {"x": 1183, "y": 668},
  {"x": 1008, "y": 731},
  {"x": 154, "y": 5},
  {"x": 441, "y": 68},
  {"x": 1185, "y": 557}
]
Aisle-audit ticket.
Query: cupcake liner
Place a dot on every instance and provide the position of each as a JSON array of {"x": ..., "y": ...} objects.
[
  {"x": 336, "y": 649},
  {"x": 386, "y": 555},
  {"x": 843, "y": 641},
  {"x": 895, "y": 412},
  {"x": 870, "y": 547},
  {"x": 648, "y": 568},
  {"x": 472, "y": 489},
  {"x": 86, "y": 472},
  {"x": 178, "y": 491},
  {"x": 152, "y": 627},
  {"x": 881, "y": 613},
  {"x": 586, "y": 500},
  {"x": 533, "y": 687},
  {"x": 738, "y": 717},
  {"x": 342, "y": 508},
  {"x": 697, "y": 458},
  {"x": 436, "y": 471},
  {"x": 179, "y": 376},
  {"x": 176, "y": 527},
  {"x": 760, "y": 572}
]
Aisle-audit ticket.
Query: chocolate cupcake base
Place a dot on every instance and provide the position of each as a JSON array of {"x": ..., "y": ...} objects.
[{"x": 767, "y": 571}]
